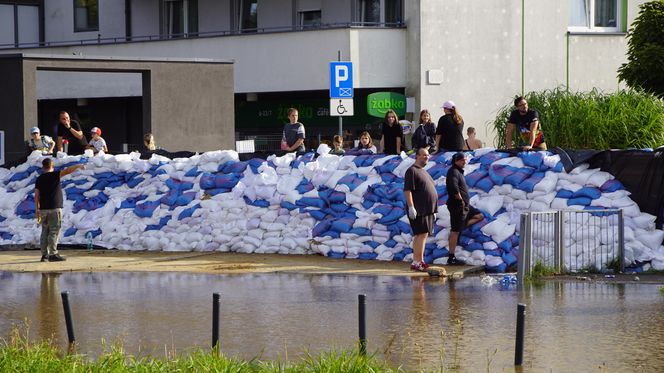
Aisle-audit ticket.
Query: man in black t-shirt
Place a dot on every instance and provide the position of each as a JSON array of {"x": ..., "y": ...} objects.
[
  {"x": 527, "y": 122},
  {"x": 48, "y": 208},
  {"x": 71, "y": 130},
  {"x": 462, "y": 214},
  {"x": 422, "y": 200}
]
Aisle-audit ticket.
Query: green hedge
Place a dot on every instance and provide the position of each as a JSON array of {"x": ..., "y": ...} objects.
[{"x": 593, "y": 120}]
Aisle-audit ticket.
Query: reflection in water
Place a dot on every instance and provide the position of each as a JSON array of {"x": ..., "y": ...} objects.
[{"x": 413, "y": 322}]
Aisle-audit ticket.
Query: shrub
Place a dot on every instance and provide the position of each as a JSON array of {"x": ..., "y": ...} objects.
[
  {"x": 645, "y": 50},
  {"x": 593, "y": 120}
]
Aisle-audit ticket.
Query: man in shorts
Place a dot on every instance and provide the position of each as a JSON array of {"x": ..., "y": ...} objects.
[
  {"x": 528, "y": 124},
  {"x": 462, "y": 214},
  {"x": 422, "y": 200}
]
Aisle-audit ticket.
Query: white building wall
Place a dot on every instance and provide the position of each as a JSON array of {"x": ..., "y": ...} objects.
[{"x": 59, "y": 21}]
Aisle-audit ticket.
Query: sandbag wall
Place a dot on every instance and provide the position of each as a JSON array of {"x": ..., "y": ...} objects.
[{"x": 341, "y": 207}]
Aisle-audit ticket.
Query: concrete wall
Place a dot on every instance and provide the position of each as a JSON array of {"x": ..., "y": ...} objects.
[
  {"x": 291, "y": 61},
  {"x": 214, "y": 15},
  {"x": 145, "y": 17},
  {"x": 187, "y": 105},
  {"x": 73, "y": 84},
  {"x": 59, "y": 21}
]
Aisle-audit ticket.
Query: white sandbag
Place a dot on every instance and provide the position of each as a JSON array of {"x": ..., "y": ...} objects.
[
  {"x": 651, "y": 239},
  {"x": 645, "y": 221},
  {"x": 498, "y": 230},
  {"x": 490, "y": 204},
  {"x": 599, "y": 178},
  {"x": 548, "y": 183}
]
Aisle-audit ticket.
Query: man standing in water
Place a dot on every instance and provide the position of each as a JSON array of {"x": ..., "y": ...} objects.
[
  {"x": 48, "y": 208},
  {"x": 422, "y": 200},
  {"x": 462, "y": 214}
]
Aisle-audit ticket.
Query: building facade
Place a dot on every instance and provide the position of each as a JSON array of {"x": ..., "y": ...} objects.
[{"x": 480, "y": 54}]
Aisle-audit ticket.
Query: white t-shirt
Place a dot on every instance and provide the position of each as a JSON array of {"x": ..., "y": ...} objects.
[{"x": 98, "y": 144}]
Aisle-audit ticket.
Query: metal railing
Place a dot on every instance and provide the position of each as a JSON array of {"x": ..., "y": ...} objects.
[
  {"x": 203, "y": 34},
  {"x": 572, "y": 241}
]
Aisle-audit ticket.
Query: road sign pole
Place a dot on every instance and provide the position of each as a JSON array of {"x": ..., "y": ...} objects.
[{"x": 341, "y": 127}]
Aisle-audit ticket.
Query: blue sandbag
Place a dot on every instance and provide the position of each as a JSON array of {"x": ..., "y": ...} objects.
[
  {"x": 162, "y": 223},
  {"x": 372, "y": 244},
  {"x": 169, "y": 198},
  {"x": 233, "y": 167},
  {"x": 206, "y": 181},
  {"x": 390, "y": 243},
  {"x": 320, "y": 228},
  {"x": 518, "y": 176},
  {"x": 185, "y": 198},
  {"x": 352, "y": 181},
  {"x": 438, "y": 171},
  {"x": 499, "y": 172},
  {"x": 582, "y": 201},
  {"x": 186, "y": 213},
  {"x": 489, "y": 158},
  {"x": 509, "y": 259},
  {"x": 134, "y": 181},
  {"x": 94, "y": 233},
  {"x": 528, "y": 185},
  {"x": 310, "y": 202},
  {"x": 485, "y": 184},
  {"x": 226, "y": 181},
  {"x": 496, "y": 252},
  {"x": 398, "y": 257},
  {"x": 257, "y": 202},
  {"x": 193, "y": 172},
  {"x": 331, "y": 234},
  {"x": 611, "y": 186},
  {"x": 505, "y": 245},
  {"x": 287, "y": 205},
  {"x": 482, "y": 238},
  {"x": 474, "y": 246},
  {"x": 589, "y": 192},
  {"x": 564, "y": 193},
  {"x": 215, "y": 191},
  {"x": 342, "y": 225},
  {"x": 317, "y": 214},
  {"x": 532, "y": 159},
  {"x": 26, "y": 208},
  {"x": 336, "y": 255},
  {"x": 70, "y": 232},
  {"x": 361, "y": 231},
  {"x": 254, "y": 164},
  {"x": 497, "y": 269},
  {"x": 304, "y": 186},
  {"x": 439, "y": 253},
  {"x": 474, "y": 177},
  {"x": 6, "y": 235},
  {"x": 145, "y": 209},
  {"x": 339, "y": 207},
  {"x": 368, "y": 256}
]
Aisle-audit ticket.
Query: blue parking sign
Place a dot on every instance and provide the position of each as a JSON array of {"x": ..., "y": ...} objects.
[{"x": 341, "y": 79}]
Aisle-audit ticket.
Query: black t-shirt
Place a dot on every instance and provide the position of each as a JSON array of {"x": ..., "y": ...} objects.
[
  {"x": 50, "y": 192},
  {"x": 76, "y": 146},
  {"x": 523, "y": 122},
  {"x": 451, "y": 134},
  {"x": 390, "y": 135},
  {"x": 420, "y": 183},
  {"x": 455, "y": 183},
  {"x": 425, "y": 135}
]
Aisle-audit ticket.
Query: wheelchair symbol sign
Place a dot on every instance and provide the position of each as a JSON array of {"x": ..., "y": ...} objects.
[{"x": 341, "y": 107}]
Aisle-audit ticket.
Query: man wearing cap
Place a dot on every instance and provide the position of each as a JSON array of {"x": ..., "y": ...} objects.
[
  {"x": 527, "y": 122},
  {"x": 44, "y": 144},
  {"x": 97, "y": 143},
  {"x": 48, "y": 208},
  {"x": 422, "y": 200},
  {"x": 71, "y": 131},
  {"x": 462, "y": 214},
  {"x": 449, "y": 133}
]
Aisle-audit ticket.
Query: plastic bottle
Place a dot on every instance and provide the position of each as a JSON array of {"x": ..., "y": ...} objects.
[{"x": 89, "y": 237}]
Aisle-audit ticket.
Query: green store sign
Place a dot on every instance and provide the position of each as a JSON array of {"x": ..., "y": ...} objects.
[{"x": 380, "y": 102}]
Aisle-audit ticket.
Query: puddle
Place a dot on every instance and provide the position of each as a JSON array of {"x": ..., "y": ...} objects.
[{"x": 411, "y": 321}]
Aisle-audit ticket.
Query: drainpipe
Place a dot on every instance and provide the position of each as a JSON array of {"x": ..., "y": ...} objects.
[
  {"x": 523, "y": 46},
  {"x": 567, "y": 65}
]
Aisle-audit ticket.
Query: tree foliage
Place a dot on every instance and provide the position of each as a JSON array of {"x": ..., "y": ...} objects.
[{"x": 645, "y": 54}]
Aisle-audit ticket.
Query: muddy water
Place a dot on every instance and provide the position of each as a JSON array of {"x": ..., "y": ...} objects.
[{"x": 416, "y": 323}]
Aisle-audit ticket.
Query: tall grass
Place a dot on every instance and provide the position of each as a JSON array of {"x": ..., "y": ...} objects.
[
  {"x": 593, "y": 120},
  {"x": 17, "y": 354}
]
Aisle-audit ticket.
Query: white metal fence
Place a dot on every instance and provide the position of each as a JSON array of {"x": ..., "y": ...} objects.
[{"x": 572, "y": 241}]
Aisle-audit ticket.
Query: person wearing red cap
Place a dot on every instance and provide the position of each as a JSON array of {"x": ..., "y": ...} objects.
[
  {"x": 97, "y": 143},
  {"x": 449, "y": 133}
]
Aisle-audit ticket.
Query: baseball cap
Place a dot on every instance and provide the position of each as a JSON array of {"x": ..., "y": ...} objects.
[
  {"x": 96, "y": 130},
  {"x": 34, "y": 130},
  {"x": 458, "y": 156},
  {"x": 448, "y": 105}
]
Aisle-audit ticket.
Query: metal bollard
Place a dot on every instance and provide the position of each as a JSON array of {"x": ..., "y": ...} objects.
[
  {"x": 520, "y": 331},
  {"x": 362, "y": 322},
  {"x": 68, "y": 320},
  {"x": 215, "y": 321}
]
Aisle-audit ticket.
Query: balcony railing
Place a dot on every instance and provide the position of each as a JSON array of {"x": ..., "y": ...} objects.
[{"x": 203, "y": 34}]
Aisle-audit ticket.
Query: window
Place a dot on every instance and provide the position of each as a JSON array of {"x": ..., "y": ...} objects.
[
  {"x": 378, "y": 12},
  {"x": 595, "y": 15},
  {"x": 309, "y": 18},
  {"x": 86, "y": 15},
  {"x": 180, "y": 18},
  {"x": 19, "y": 25},
  {"x": 248, "y": 15}
]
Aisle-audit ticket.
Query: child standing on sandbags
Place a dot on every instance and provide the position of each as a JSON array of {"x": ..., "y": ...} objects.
[
  {"x": 462, "y": 214},
  {"x": 48, "y": 208},
  {"x": 97, "y": 143},
  {"x": 293, "y": 135},
  {"x": 422, "y": 200}
]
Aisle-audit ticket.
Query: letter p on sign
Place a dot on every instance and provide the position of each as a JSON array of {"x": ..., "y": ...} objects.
[{"x": 341, "y": 79}]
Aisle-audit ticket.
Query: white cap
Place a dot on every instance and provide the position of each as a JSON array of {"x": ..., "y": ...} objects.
[{"x": 449, "y": 105}]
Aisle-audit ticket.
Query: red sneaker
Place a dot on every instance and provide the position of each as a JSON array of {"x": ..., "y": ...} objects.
[{"x": 418, "y": 266}]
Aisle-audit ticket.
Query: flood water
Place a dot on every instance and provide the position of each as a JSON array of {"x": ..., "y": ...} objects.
[{"x": 412, "y": 322}]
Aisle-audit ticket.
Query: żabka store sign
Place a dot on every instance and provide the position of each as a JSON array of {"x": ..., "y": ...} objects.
[{"x": 380, "y": 102}]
